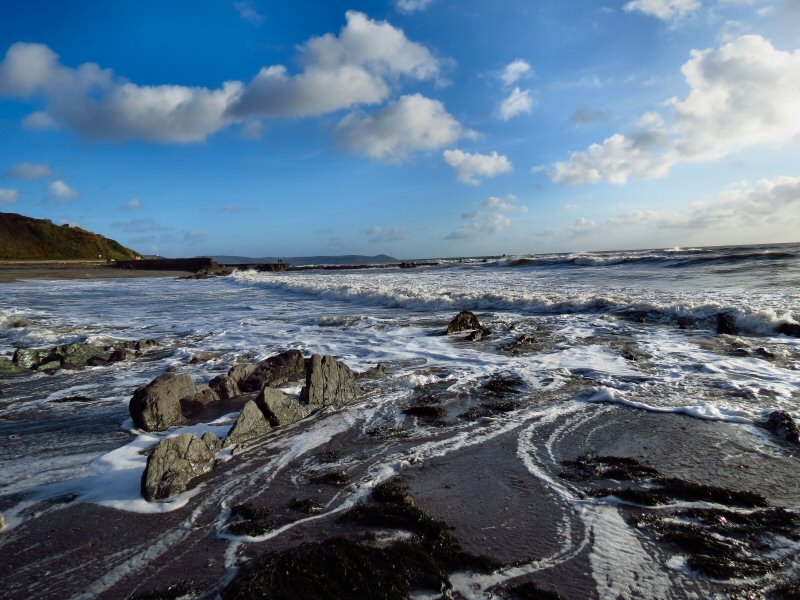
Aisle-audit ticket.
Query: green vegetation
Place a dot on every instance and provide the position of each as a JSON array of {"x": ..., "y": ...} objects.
[{"x": 24, "y": 238}]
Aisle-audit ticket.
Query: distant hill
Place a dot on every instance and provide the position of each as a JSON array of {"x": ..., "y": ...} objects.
[
  {"x": 24, "y": 238},
  {"x": 345, "y": 259}
]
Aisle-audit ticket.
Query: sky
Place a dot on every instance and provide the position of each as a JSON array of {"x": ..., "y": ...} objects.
[{"x": 415, "y": 128}]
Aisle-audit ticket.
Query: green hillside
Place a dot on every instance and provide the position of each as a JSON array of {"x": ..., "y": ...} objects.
[{"x": 24, "y": 238}]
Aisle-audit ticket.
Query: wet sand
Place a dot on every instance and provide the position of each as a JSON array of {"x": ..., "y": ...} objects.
[{"x": 56, "y": 270}]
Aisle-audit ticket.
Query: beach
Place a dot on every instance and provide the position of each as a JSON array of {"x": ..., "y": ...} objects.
[
  {"x": 72, "y": 269},
  {"x": 611, "y": 425}
]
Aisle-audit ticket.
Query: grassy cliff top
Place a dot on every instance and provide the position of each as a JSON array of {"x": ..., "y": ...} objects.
[{"x": 24, "y": 238}]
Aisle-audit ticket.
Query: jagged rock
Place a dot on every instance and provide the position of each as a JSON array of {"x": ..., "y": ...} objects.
[
  {"x": 28, "y": 358},
  {"x": 726, "y": 324},
  {"x": 156, "y": 406},
  {"x": 8, "y": 368},
  {"x": 479, "y": 335},
  {"x": 279, "y": 408},
  {"x": 241, "y": 372},
  {"x": 463, "y": 321},
  {"x": 276, "y": 371},
  {"x": 329, "y": 383},
  {"x": 78, "y": 354},
  {"x": 224, "y": 386},
  {"x": 202, "y": 397},
  {"x": 121, "y": 354},
  {"x": 781, "y": 425},
  {"x": 250, "y": 424},
  {"x": 375, "y": 372},
  {"x": 177, "y": 461},
  {"x": 792, "y": 329}
]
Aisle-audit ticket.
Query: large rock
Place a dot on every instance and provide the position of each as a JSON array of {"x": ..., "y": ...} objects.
[
  {"x": 464, "y": 321},
  {"x": 329, "y": 383},
  {"x": 241, "y": 372},
  {"x": 156, "y": 406},
  {"x": 78, "y": 354},
  {"x": 224, "y": 386},
  {"x": 251, "y": 423},
  {"x": 782, "y": 426},
  {"x": 177, "y": 461},
  {"x": 8, "y": 368},
  {"x": 276, "y": 371},
  {"x": 280, "y": 409},
  {"x": 792, "y": 329},
  {"x": 202, "y": 397},
  {"x": 28, "y": 358},
  {"x": 726, "y": 324}
]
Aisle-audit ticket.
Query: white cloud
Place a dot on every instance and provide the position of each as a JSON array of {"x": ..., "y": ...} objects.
[
  {"x": 249, "y": 13},
  {"x": 409, "y": 124},
  {"x": 357, "y": 67},
  {"x": 8, "y": 196},
  {"x": 518, "y": 102},
  {"x": 666, "y": 10},
  {"x": 61, "y": 191},
  {"x": 744, "y": 94},
  {"x": 31, "y": 171},
  {"x": 377, "y": 234},
  {"x": 412, "y": 6},
  {"x": 470, "y": 167},
  {"x": 132, "y": 204},
  {"x": 585, "y": 115},
  {"x": 481, "y": 225},
  {"x": 507, "y": 203},
  {"x": 515, "y": 71}
]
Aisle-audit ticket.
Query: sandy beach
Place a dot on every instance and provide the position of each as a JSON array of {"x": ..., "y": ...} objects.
[{"x": 72, "y": 269}]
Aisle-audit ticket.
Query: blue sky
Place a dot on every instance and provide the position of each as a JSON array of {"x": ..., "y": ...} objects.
[{"x": 411, "y": 127}]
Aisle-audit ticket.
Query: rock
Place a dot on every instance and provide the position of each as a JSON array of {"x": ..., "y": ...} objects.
[
  {"x": 241, "y": 372},
  {"x": 202, "y": 397},
  {"x": 781, "y": 425},
  {"x": 792, "y": 329},
  {"x": 279, "y": 408},
  {"x": 120, "y": 355},
  {"x": 8, "y": 368},
  {"x": 79, "y": 354},
  {"x": 726, "y": 324},
  {"x": 49, "y": 366},
  {"x": 329, "y": 383},
  {"x": 27, "y": 358},
  {"x": 276, "y": 371},
  {"x": 224, "y": 386},
  {"x": 177, "y": 461},
  {"x": 137, "y": 345},
  {"x": 377, "y": 372},
  {"x": 156, "y": 406},
  {"x": 479, "y": 335},
  {"x": 250, "y": 424},
  {"x": 463, "y": 321},
  {"x": 74, "y": 399}
]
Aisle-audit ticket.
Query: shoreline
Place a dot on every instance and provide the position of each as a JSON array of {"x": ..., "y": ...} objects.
[{"x": 21, "y": 270}]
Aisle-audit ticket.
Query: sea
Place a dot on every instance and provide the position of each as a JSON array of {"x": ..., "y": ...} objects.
[{"x": 578, "y": 334}]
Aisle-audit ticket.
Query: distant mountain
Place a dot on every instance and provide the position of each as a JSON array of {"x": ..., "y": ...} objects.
[
  {"x": 346, "y": 259},
  {"x": 24, "y": 238}
]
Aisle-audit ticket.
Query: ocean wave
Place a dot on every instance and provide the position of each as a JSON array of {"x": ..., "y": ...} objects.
[{"x": 431, "y": 295}]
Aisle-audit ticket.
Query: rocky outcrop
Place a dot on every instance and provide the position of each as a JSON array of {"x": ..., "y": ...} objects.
[
  {"x": 791, "y": 329},
  {"x": 279, "y": 408},
  {"x": 157, "y": 406},
  {"x": 726, "y": 324},
  {"x": 782, "y": 426},
  {"x": 251, "y": 423},
  {"x": 224, "y": 386},
  {"x": 8, "y": 368},
  {"x": 329, "y": 383},
  {"x": 276, "y": 371},
  {"x": 479, "y": 335},
  {"x": 176, "y": 462},
  {"x": 202, "y": 397},
  {"x": 81, "y": 354},
  {"x": 463, "y": 321}
]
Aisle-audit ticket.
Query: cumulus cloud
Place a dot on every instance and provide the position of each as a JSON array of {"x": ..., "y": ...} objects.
[
  {"x": 249, "y": 13},
  {"x": 377, "y": 234},
  {"x": 409, "y": 124},
  {"x": 132, "y": 204},
  {"x": 749, "y": 212},
  {"x": 61, "y": 191},
  {"x": 666, "y": 10},
  {"x": 8, "y": 196},
  {"x": 509, "y": 202},
  {"x": 515, "y": 71},
  {"x": 470, "y": 167},
  {"x": 743, "y": 94},
  {"x": 412, "y": 6},
  {"x": 356, "y": 67},
  {"x": 518, "y": 102},
  {"x": 480, "y": 225},
  {"x": 31, "y": 171}
]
